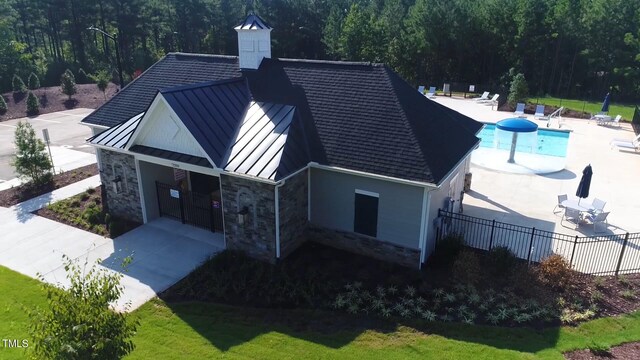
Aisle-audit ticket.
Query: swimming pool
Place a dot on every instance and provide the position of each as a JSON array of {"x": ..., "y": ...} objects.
[{"x": 546, "y": 142}]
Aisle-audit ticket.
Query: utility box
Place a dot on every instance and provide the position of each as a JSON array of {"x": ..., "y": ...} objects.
[{"x": 467, "y": 182}]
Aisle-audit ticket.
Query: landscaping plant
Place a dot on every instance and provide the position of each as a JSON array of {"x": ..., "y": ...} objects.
[
  {"x": 102, "y": 81},
  {"x": 34, "y": 82},
  {"x": 31, "y": 161},
  {"x": 555, "y": 272},
  {"x": 18, "y": 85},
  {"x": 33, "y": 104},
  {"x": 78, "y": 323},
  {"x": 519, "y": 90},
  {"x": 3, "y": 105},
  {"x": 68, "y": 84}
]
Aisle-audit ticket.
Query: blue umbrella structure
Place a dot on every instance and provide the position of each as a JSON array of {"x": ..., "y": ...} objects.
[
  {"x": 605, "y": 103},
  {"x": 585, "y": 183}
]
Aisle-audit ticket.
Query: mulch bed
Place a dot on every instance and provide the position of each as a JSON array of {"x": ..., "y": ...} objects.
[
  {"x": 628, "y": 351},
  {"x": 610, "y": 301},
  {"x": 52, "y": 99},
  {"x": 530, "y": 109},
  {"x": 74, "y": 213},
  {"x": 25, "y": 192}
]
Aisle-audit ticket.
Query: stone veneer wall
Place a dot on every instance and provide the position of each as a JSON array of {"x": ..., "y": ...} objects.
[
  {"x": 293, "y": 212},
  {"x": 257, "y": 236},
  {"x": 125, "y": 203},
  {"x": 364, "y": 245}
]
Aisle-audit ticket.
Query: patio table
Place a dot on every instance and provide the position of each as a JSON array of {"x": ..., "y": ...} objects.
[{"x": 575, "y": 205}]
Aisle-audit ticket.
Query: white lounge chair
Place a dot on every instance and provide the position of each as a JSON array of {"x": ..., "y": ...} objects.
[
  {"x": 626, "y": 144},
  {"x": 597, "y": 218},
  {"x": 608, "y": 120},
  {"x": 519, "y": 110},
  {"x": 485, "y": 96},
  {"x": 421, "y": 89},
  {"x": 432, "y": 92},
  {"x": 539, "y": 112},
  {"x": 492, "y": 101}
]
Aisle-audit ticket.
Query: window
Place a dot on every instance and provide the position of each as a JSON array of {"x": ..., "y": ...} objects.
[
  {"x": 246, "y": 45},
  {"x": 365, "y": 220}
]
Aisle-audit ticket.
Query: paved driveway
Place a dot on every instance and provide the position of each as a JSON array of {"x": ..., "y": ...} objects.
[
  {"x": 67, "y": 139},
  {"x": 164, "y": 251}
]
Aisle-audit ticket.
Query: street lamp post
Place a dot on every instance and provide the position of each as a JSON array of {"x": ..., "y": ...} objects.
[{"x": 113, "y": 37}]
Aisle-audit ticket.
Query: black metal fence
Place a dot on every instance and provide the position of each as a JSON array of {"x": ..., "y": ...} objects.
[{"x": 594, "y": 255}]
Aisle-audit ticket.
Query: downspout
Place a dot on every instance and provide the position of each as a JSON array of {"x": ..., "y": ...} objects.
[{"x": 277, "y": 210}]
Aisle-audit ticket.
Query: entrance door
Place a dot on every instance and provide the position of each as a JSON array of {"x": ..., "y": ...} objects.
[{"x": 190, "y": 207}]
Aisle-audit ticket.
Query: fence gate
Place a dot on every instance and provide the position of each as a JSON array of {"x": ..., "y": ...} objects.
[{"x": 189, "y": 207}]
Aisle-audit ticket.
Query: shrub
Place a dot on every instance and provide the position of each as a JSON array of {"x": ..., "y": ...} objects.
[
  {"x": 448, "y": 249},
  {"x": 624, "y": 281},
  {"x": 93, "y": 215},
  {"x": 555, "y": 272},
  {"x": 33, "y": 104},
  {"x": 466, "y": 268},
  {"x": 102, "y": 81},
  {"x": 31, "y": 160},
  {"x": 82, "y": 77},
  {"x": 34, "y": 82},
  {"x": 78, "y": 323},
  {"x": 3, "y": 105},
  {"x": 628, "y": 294},
  {"x": 519, "y": 89},
  {"x": 18, "y": 85},
  {"x": 501, "y": 260},
  {"x": 68, "y": 84}
]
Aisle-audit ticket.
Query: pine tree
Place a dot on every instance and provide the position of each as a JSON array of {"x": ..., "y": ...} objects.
[
  {"x": 31, "y": 161},
  {"x": 33, "y": 104},
  {"x": 3, "y": 105},
  {"x": 18, "y": 85},
  {"x": 68, "y": 84},
  {"x": 70, "y": 73},
  {"x": 34, "y": 82}
]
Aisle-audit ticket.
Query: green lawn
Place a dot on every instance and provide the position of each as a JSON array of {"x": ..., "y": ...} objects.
[
  {"x": 589, "y": 106},
  {"x": 198, "y": 330}
]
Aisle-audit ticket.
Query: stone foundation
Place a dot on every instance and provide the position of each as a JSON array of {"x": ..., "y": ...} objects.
[
  {"x": 125, "y": 201},
  {"x": 364, "y": 245},
  {"x": 257, "y": 234},
  {"x": 293, "y": 212}
]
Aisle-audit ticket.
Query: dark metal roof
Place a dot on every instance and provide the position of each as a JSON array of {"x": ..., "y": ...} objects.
[
  {"x": 119, "y": 135},
  {"x": 171, "y": 155},
  {"x": 358, "y": 116},
  {"x": 260, "y": 141},
  {"x": 211, "y": 112},
  {"x": 252, "y": 22}
]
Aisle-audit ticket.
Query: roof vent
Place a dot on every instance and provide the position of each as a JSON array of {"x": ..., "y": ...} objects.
[{"x": 254, "y": 41}]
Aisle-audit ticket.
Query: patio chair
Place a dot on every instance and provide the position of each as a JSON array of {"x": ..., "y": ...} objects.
[
  {"x": 559, "y": 205},
  {"x": 539, "y": 112},
  {"x": 421, "y": 89},
  {"x": 572, "y": 216},
  {"x": 599, "y": 218},
  {"x": 519, "y": 110},
  {"x": 616, "y": 121},
  {"x": 623, "y": 144},
  {"x": 598, "y": 205},
  {"x": 432, "y": 92},
  {"x": 492, "y": 101},
  {"x": 485, "y": 96}
]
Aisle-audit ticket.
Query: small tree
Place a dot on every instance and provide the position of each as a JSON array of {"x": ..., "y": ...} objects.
[
  {"x": 78, "y": 322},
  {"x": 33, "y": 104},
  {"x": 18, "y": 85},
  {"x": 82, "y": 77},
  {"x": 34, "y": 82},
  {"x": 102, "y": 81},
  {"x": 519, "y": 89},
  {"x": 3, "y": 105},
  {"x": 31, "y": 160},
  {"x": 68, "y": 84},
  {"x": 70, "y": 73}
]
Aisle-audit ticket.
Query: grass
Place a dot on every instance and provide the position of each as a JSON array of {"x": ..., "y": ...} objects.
[
  {"x": 587, "y": 106},
  {"x": 204, "y": 330}
]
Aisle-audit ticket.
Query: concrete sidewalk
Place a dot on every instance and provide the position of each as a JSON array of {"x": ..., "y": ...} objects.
[{"x": 163, "y": 251}]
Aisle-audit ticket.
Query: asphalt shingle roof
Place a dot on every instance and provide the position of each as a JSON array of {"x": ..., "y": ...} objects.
[{"x": 358, "y": 116}]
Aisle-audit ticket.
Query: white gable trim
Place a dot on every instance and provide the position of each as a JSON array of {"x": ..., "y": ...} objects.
[{"x": 149, "y": 114}]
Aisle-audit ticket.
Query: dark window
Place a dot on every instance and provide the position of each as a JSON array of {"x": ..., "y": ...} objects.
[{"x": 366, "y": 215}]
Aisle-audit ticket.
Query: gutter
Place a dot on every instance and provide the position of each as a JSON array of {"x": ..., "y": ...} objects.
[{"x": 277, "y": 208}]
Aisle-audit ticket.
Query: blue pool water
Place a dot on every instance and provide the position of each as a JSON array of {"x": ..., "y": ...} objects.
[{"x": 546, "y": 142}]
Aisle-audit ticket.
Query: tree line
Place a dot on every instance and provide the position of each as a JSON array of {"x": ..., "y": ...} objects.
[{"x": 566, "y": 48}]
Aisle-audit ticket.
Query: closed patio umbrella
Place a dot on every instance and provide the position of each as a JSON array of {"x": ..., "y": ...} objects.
[
  {"x": 585, "y": 183},
  {"x": 605, "y": 103}
]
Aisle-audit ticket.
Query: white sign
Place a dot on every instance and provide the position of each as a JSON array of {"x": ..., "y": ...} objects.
[
  {"x": 179, "y": 174},
  {"x": 472, "y": 88},
  {"x": 174, "y": 193}
]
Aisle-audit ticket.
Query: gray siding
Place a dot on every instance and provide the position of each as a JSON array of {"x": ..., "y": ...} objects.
[{"x": 399, "y": 207}]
